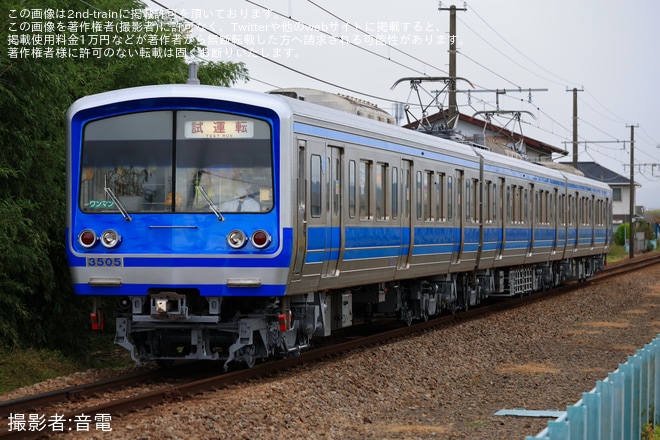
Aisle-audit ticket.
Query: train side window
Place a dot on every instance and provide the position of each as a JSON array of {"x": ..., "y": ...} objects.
[
  {"x": 351, "y": 189},
  {"x": 488, "y": 194},
  {"x": 468, "y": 198},
  {"x": 526, "y": 206},
  {"x": 475, "y": 200},
  {"x": 315, "y": 183},
  {"x": 537, "y": 214},
  {"x": 395, "y": 192},
  {"x": 551, "y": 205},
  {"x": 418, "y": 194},
  {"x": 365, "y": 190},
  {"x": 439, "y": 199},
  {"x": 407, "y": 193},
  {"x": 381, "y": 185},
  {"x": 495, "y": 199},
  {"x": 428, "y": 195},
  {"x": 450, "y": 198},
  {"x": 508, "y": 204}
]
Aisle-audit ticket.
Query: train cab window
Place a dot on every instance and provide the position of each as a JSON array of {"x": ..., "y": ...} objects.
[
  {"x": 395, "y": 193},
  {"x": 365, "y": 190},
  {"x": 128, "y": 160},
  {"x": 351, "y": 188},
  {"x": 315, "y": 182}
]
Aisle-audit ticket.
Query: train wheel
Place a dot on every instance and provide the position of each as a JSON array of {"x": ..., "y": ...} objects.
[{"x": 248, "y": 355}]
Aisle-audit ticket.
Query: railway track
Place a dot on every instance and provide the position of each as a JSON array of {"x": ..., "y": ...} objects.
[{"x": 97, "y": 414}]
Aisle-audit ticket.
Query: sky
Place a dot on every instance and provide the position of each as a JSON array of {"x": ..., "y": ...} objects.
[{"x": 605, "y": 49}]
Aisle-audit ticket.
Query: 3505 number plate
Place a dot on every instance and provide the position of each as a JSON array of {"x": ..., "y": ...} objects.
[{"x": 105, "y": 262}]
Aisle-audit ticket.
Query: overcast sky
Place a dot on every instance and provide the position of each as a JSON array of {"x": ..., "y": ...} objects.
[{"x": 606, "y": 49}]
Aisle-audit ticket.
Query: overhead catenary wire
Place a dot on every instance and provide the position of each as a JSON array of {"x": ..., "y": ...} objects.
[{"x": 539, "y": 109}]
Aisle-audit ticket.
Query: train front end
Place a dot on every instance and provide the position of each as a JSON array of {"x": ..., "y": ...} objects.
[{"x": 174, "y": 208}]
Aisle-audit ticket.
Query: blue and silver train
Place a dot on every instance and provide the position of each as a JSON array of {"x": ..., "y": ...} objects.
[{"x": 235, "y": 226}]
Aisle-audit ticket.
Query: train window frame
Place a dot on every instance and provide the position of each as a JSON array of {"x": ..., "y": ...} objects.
[
  {"x": 495, "y": 203},
  {"x": 418, "y": 195},
  {"x": 336, "y": 186},
  {"x": 352, "y": 189},
  {"x": 407, "y": 190},
  {"x": 450, "y": 198},
  {"x": 159, "y": 161},
  {"x": 440, "y": 206},
  {"x": 381, "y": 170},
  {"x": 468, "y": 198},
  {"x": 395, "y": 193},
  {"x": 364, "y": 194},
  {"x": 316, "y": 185},
  {"x": 488, "y": 194},
  {"x": 427, "y": 194}
]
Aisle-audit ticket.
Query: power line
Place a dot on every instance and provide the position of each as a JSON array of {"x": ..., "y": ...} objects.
[
  {"x": 565, "y": 81},
  {"x": 374, "y": 37}
]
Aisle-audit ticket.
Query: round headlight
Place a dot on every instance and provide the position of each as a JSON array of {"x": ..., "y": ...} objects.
[
  {"x": 110, "y": 238},
  {"x": 236, "y": 239},
  {"x": 87, "y": 238},
  {"x": 260, "y": 239}
]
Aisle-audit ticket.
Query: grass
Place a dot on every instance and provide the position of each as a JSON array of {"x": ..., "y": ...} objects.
[
  {"x": 24, "y": 367},
  {"x": 617, "y": 253},
  {"x": 20, "y": 368}
]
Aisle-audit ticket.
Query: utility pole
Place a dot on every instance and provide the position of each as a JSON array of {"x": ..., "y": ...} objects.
[
  {"x": 575, "y": 126},
  {"x": 631, "y": 239},
  {"x": 453, "y": 105}
]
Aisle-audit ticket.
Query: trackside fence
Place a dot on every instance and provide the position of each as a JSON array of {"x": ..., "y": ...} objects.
[{"x": 618, "y": 407}]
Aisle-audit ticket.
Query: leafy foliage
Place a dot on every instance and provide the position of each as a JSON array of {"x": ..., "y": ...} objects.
[
  {"x": 622, "y": 233},
  {"x": 37, "y": 307}
]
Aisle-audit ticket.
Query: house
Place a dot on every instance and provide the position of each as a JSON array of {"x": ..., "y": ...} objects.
[{"x": 620, "y": 190}]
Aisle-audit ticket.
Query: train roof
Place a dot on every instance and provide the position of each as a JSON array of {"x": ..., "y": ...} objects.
[{"x": 291, "y": 109}]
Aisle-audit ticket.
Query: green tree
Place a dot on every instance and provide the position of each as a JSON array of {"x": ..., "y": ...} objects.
[{"x": 37, "y": 306}]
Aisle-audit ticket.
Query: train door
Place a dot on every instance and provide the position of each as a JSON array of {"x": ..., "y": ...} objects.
[
  {"x": 333, "y": 239},
  {"x": 592, "y": 220},
  {"x": 459, "y": 226},
  {"x": 502, "y": 217},
  {"x": 554, "y": 219},
  {"x": 301, "y": 215},
  {"x": 576, "y": 217},
  {"x": 531, "y": 206},
  {"x": 407, "y": 232}
]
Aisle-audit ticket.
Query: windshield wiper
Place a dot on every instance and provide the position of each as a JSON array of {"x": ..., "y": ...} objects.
[
  {"x": 121, "y": 208},
  {"x": 214, "y": 208}
]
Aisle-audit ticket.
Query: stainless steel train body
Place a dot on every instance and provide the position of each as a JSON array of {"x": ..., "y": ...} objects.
[{"x": 236, "y": 225}]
